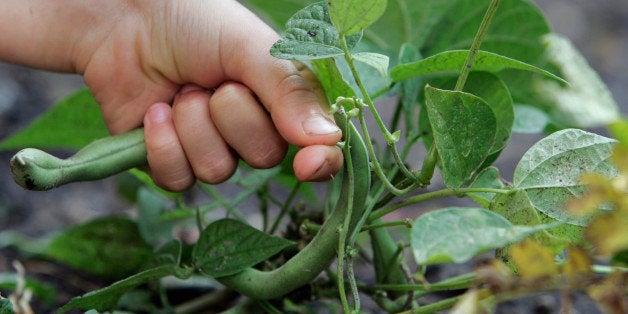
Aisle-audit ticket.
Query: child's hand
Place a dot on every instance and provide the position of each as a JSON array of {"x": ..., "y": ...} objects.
[{"x": 197, "y": 74}]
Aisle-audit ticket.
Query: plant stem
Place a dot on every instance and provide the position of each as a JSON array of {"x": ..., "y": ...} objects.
[
  {"x": 396, "y": 223},
  {"x": 285, "y": 207},
  {"x": 378, "y": 119},
  {"x": 431, "y": 195},
  {"x": 475, "y": 46},
  {"x": 344, "y": 229},
  {"x": 434, "y": 307},
  {"x": 455, "y": 283}
]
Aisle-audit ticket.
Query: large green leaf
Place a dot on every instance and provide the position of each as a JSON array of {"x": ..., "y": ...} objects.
[
  {"x": 453, "y": 62},
  {"x": 310, "y": 35},
  {"x": 70, "y": 124},
  {"x": 464, "y": 129},
  {"x": 495, "y": 93},
  {"x": 457, "y": 234},
  {"x": 352, "y": 16},
  {"x": 550, "y": 170},
  {"x": 409, "y": 89},
  {"x": 517, "y": 208},
  {"x": 515, "y": 30},
  {"x": 107, "y": 298},
  {"x": 110, "y": 246},
  {"x": 227, "y": 247},
  {"x": 276, "y": 12}
]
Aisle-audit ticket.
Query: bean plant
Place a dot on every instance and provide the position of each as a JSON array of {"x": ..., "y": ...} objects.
[{"x": 458, "y": 78}]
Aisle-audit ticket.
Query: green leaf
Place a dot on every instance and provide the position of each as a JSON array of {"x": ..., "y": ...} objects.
[
  {"x": 457, "y": 234},
  {"x": 464, "y": 129},
  {"x": 378, "y": 61},
  {"x": 488, "y": 178},
  {"x": 107, "y": 298},
  {"x": 453, "y": 61},
  {"x": 586, "y": 102},
  {"x": 227, "y": 247},
  {"x": 154, "y": 229},
  {"x": 276, "y": 12},
  {"x": 110, "y": 246},
  {"x": 550, "y": 170},
  {"x": 410, "y": 88},
  {"x": 70, "y": 124},
  {"x": 310, "y": 35},
  {"x": 352, "y": 16},
  {"x": 495, "y": 93},
  {"x": 517, "y": 208},
  {"x": 515, "y": 31},
  {"x": 529, "y": 119},
  {"x": 6, "y": 307},
  {"x": 331, "y": 79}
]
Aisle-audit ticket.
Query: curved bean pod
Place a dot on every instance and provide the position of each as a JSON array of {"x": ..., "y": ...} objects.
[
  {"x": 320, "y": 252},
  {"x": 34, "y": 169}
]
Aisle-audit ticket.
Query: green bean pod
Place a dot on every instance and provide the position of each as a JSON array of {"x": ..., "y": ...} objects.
[
  {"x": 36, "y": 170},
  {"x": 320, "y": 252}
]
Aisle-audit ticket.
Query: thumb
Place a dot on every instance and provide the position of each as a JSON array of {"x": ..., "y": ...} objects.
[{"x": 288, "y": 90}]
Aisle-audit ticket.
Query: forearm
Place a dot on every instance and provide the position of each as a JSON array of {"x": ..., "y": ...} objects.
[{"x": 53, "y": 35}]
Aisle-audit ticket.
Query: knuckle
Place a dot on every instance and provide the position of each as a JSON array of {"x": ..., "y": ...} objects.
[{"x": 216, "y": 170}]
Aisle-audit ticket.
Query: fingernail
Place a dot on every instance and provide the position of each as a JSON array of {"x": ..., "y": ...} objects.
[
  {"x": 158, "y": 114},
  {"x": 319, "y": 125}
]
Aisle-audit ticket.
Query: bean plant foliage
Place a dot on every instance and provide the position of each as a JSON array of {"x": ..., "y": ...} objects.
[{"x": 459, "y": 77}]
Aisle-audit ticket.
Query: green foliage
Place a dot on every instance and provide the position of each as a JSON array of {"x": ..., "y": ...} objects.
[
  {"x": 310, "y": 35},
  {"x": 457, "y": 234},
  {"x": 227, "y": 247},
  {"x": 111, "y": 247},
  {"x": 550, "y": 170},
  {"x": 82, "y": 124},
  {"x": 453, "y": 61},
  {"x": 359, "y": 51},
  {"x": 464, "y": 129}
]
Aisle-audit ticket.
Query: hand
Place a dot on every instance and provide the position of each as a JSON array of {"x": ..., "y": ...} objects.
[{"x": 198, "y": 75}]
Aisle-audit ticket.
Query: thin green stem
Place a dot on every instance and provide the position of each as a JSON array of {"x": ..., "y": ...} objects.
[
  {"x": 344, "y": 229},
  {"x": 475, "y": 46},
  {"x": 434, "y": 307},
  {"x": 376, "y": 166},
  {"x": 455, "y": 283},
  {"x": 285, "y": 207},
  {"x": 387, "y": 224},
  {"x": 429, "y": 196},
  {"x": 227, "y": 205},
  {"x": 365, "y": 94},
  {"x": 378, "y": 119}
]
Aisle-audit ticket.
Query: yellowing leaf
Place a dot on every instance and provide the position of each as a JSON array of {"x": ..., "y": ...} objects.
[
  {"x": 578, "y": 263},
  {"x": 610, "y": 294},
  {"x": 609, "y": 232},
  {"x": 533, "y": 259}
]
